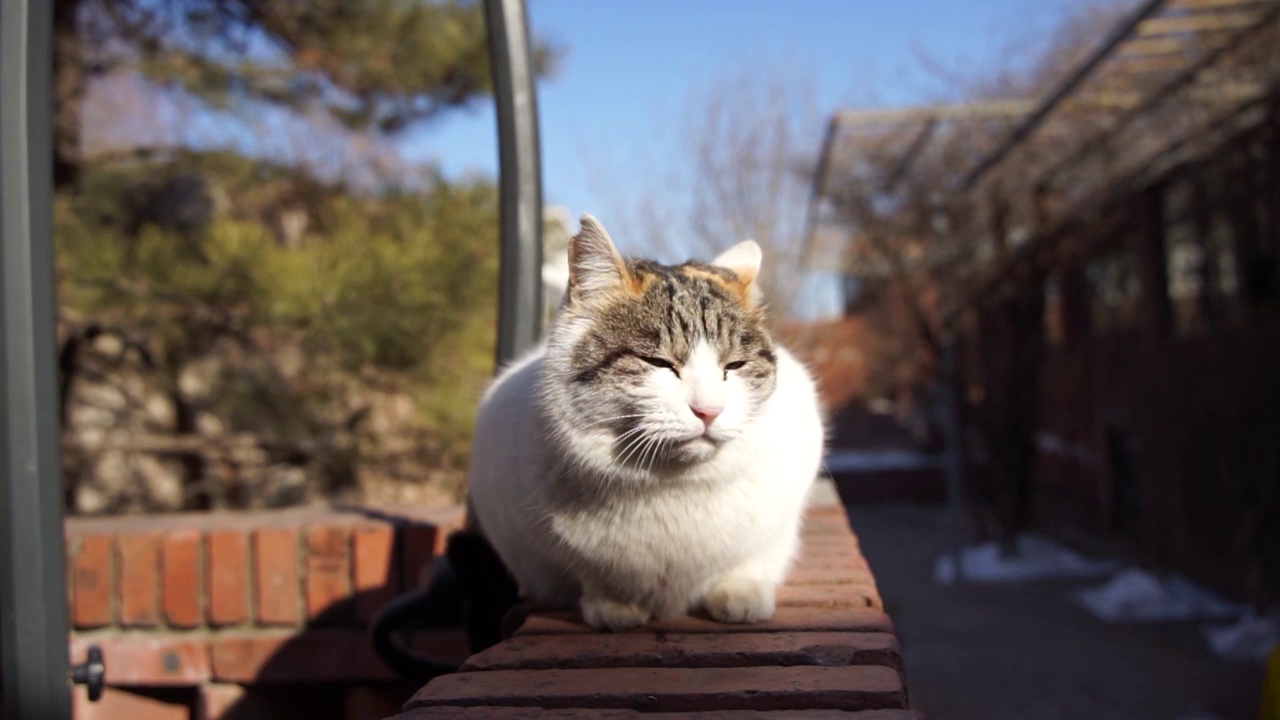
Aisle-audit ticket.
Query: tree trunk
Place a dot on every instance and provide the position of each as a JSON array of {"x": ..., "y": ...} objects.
[
  {"x": 1012, "y": 340},
  {"x": 68, "y": 94}
]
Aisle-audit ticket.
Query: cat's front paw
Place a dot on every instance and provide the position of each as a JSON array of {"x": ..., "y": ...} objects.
[
  {"x": 740, "y": 601},
  {"x": 604, "y": 614}
]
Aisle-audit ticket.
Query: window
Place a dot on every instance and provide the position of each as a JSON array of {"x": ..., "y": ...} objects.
[
  {"x": 1115, "y": 291},
  {"x": 1201, "y": 263}
]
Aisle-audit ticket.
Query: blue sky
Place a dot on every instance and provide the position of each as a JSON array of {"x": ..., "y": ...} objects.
[
  {"x": 628, "y": 66},
  {"x": 615, "y": 114}
]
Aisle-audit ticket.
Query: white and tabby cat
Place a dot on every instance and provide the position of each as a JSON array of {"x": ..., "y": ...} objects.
[{"x": 654, "y": 455}]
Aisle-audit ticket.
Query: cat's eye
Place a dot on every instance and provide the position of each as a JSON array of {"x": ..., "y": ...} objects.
[
  {"x": 661, "y": 362},
  {"x": 736, "y": 364}
]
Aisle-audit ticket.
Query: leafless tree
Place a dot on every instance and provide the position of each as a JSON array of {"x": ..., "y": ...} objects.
[
  {"x": 742, "y": 169},
  {"x": 751, "y": 145}
]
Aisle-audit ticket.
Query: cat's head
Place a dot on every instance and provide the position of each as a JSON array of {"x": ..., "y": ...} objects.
[{"x": 659, "y": 363}]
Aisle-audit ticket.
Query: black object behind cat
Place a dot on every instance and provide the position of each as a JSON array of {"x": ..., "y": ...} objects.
[{"x": 468, "y": 586}]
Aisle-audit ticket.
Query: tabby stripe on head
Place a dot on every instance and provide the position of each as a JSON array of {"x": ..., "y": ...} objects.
[{"x": 590, "y": 374}]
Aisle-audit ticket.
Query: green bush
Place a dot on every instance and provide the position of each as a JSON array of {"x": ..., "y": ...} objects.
[{"x": 391, "y": 293}]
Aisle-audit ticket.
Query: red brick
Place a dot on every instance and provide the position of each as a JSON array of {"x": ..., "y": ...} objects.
[
  {"x": 830, "y": 545},
  {"x": 827, "y": 529},
  {"x": 816, "y": 566},
  {"x": 91, "y": 581},
  {"x": 224, "y": 701},
  {"x": 830, "y": 560},
  {"x": 865, "y": 687},
  {"x": 424, "y": 532},
  {"x": 182, "y": 587},
  {"x": 532, "y": 713},
  {"x": 830, "y": 516},
  {"x": 839, "y": 575},
  {"x": 814, "y": 512},
  {"x": 227, "y": 553},
  {"x": 828, "y": 596},
  {"x": 798, "y": 619},
  {"x": 371, "y": 702},
  {"x": 138, "y": 562},
  {"x": 841, "y": 542},
  {"x": 422, "y": 543},
  {"x": 449, "y": 645},
  {"x": 316, "y": 655},
  {"x": 826, "y": 525},
  {"x": 148, "y": 659},
  {"x": 565, "y": 652},
  {"x": 328, "y": 573},
  {"x": 377, "y": 577},
  {"x": 118, "y": 704},
  {"x": 218, "y": 701},
  {"x": 279, "y": 591},
  {"x": 840, "y": 539},
  {"x": 832, "y": 554}
]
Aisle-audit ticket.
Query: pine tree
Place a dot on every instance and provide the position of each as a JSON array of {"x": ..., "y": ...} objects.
[{"x": 375, "y": 65}]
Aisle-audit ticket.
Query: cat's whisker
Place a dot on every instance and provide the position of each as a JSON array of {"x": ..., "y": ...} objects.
[
  {"x": 611, "y": 419},
  {"x": 644, "y": 451},
  {"x": 627, "y": 451},
  {"x": 628, "y": 433},
  {"x": 657, "y": 450},
  {"x": 649, "y": 446},
  {"x": 631, "y": 447}
]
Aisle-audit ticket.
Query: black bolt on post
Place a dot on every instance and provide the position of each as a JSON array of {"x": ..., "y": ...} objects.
[
  {"x": 33, "y": 596},
  {"x": 519, "y": 178}
]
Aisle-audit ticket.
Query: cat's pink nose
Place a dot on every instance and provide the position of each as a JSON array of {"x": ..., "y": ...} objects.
[{"x": 707, "y": 413}]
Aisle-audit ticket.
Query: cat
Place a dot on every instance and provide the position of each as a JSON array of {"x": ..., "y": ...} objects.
[{"x": 653, "y": 455}]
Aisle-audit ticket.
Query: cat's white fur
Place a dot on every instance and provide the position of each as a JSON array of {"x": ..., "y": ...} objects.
[{"x": 648, "y": 538}]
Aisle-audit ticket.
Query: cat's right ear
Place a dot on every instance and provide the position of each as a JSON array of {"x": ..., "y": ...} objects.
[{"x": 594, "y": 263}]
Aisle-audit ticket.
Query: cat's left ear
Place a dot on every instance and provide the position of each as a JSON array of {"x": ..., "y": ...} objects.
[
  {"x": 595, "y": 267},
  {"x": 743, "y": 260}
]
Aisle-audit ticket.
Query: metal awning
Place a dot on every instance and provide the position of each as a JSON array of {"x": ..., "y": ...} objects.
[
  {"x": 1169, "y": 72},
  {"x": 1183, "y": 75},
  {"x": 901, "y": 137},
  {"x": 1200, "y": 57}
]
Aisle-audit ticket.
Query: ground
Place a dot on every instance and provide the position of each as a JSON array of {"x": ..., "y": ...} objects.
[{"x": 1027, "y": 651}]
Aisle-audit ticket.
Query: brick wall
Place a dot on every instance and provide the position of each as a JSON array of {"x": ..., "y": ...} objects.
[
  {"x": 234, "y": 615},
  {"x": 830, "y": 649}
]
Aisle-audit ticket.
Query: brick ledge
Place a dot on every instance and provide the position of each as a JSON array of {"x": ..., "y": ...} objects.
[{"x": 829, "y": 652}]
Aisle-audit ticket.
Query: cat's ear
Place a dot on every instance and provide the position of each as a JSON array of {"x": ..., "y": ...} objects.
[
  {"x": 594, "y": 263},
  {"x": 743, "y": 260}
]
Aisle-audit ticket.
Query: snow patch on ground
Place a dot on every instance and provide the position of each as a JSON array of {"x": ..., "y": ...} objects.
[
  {"x": 1249, "y": 639},
  {"x": 1037, "y": 559},
  {"x": 870, "y": 460},
  {"x": 1139, "y": 596}
]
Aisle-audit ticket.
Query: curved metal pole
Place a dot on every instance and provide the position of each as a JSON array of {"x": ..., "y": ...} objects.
[
  {"x": 520, "y": 179},
  {"x": 33, "y": 621},
  {"x": 519, "y": 320}
]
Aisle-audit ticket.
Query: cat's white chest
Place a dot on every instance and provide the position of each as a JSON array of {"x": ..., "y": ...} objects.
[
  {"x": 671, "y": 528},
  {"x": 662, "y": 547},
  {"x": 665, "y": 546}
]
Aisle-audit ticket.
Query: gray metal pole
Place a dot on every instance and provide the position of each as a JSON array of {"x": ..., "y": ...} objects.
[
  {"x": 33, "y": 596},
  {"x": 520, "y": 178}
]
